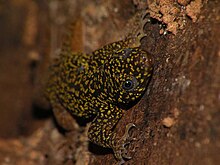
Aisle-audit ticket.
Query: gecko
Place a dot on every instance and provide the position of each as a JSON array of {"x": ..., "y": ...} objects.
[{"x": 98, "y": 85}]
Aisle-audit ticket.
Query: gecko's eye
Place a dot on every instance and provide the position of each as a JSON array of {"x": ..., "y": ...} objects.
[{"x": 128, "y": 85}]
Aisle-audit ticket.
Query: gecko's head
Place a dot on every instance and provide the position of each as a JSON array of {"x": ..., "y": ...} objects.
[{"x": 128, "y": 73}]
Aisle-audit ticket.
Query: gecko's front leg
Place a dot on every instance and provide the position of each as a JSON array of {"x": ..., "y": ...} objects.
[{"x": 101, "y": 131}]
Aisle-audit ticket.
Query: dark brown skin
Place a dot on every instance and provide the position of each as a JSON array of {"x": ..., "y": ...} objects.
[{"x": 87, "y": 85}]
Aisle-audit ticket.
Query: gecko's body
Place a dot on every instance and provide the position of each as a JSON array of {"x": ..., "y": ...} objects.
[{"x": 97, "y": 85}]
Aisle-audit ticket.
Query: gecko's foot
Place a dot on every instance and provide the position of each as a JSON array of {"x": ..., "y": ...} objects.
[
  {"x": 140, "y": 34},
  {"x": 120, "y": 150}
]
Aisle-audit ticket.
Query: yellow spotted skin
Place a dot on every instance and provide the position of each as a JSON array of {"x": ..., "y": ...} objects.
[{"x": 97, "y": 86}]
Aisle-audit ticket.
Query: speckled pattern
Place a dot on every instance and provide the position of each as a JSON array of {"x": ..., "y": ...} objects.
[{"x": 97, "y": 84}]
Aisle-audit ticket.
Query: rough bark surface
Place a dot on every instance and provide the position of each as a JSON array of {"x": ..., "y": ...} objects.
[{"x": 178, "y": 119}]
